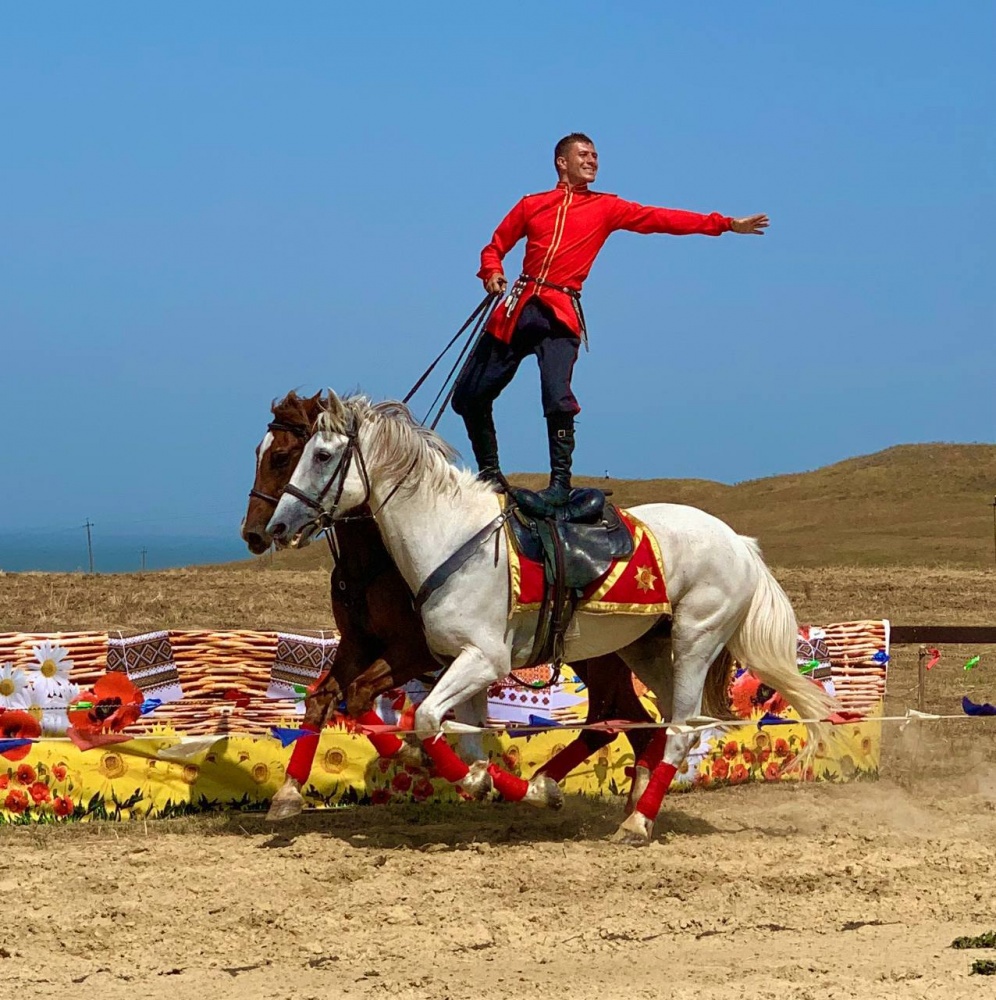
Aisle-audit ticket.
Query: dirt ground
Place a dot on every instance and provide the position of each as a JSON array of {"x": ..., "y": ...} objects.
[
  {"x": 762, "y": 892},
  {"x": 802, "y": 891}
]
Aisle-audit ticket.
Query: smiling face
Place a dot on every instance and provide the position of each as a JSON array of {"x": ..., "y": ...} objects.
[{"x": 578, "y": 165}]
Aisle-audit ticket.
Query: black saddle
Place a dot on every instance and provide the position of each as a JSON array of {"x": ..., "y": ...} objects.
[
  {"x": 573, "y": 555},
  {"x": 588, "y": 550},
  {"x": 584, "y": 506}
]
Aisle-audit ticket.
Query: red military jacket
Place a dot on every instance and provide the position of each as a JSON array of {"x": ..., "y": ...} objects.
[{"x": 564, "y": 230}]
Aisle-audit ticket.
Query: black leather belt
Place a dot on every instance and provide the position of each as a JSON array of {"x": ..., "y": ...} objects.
[
  {"x": 572, "y": 292},
  {"x": 575, "y": 296}
]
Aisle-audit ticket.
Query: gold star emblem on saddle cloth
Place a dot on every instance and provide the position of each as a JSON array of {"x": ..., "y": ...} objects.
[{"x": 645, "y": 578}]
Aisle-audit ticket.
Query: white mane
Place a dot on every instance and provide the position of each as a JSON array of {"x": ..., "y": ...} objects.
[{"x": 399, "y": 446}]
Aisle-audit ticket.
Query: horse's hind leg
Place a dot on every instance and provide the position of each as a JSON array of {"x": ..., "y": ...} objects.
[
  {"x": 650, "y": 659},
  {"x": 701, "y": 630},
  {"x": 610, "y": 696},
  {"x": 597, "y": 674}
]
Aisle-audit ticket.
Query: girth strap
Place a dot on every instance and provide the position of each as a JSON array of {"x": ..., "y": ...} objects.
[{"x": 443, "y": 572}]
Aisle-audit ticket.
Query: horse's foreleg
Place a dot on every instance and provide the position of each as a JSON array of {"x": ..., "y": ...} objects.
[
  {"x": 373, "y": 682},
  {"x": 379, "y": 677},
  {"x": 467, "y": 678},
  {"x": 319, "y": 704}
]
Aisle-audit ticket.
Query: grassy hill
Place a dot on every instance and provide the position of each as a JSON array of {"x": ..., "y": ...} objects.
[{"x": 919, "y": 504}]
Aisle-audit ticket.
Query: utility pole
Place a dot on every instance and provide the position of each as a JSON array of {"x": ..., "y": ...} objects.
[
  {"x": 993, "y": 505},
  {"x": 144, "y": 550},
  {"x": 89, "y": 542}
]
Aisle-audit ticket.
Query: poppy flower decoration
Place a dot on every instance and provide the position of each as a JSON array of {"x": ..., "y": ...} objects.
[
  {"x": 113, "y": 704},
  {"x": 750, "y": 697},
  {"x": 18, "y": 725}
]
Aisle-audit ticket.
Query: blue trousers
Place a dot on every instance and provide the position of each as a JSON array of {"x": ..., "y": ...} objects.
[{"x": 492, "y": 364}]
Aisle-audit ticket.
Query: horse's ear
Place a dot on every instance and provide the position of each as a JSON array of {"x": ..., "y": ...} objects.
[
  {"x": 335, "y": 409},
  {"x": 312, "y": 406}
]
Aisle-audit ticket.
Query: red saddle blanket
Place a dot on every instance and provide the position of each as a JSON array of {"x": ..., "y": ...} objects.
[{"x": 633, "y": 586}]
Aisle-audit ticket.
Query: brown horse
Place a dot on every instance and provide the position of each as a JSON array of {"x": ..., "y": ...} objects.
[{"x": 383, "y": 646}]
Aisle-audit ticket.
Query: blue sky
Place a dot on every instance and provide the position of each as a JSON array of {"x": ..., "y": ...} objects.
[{"x": 205, "y": 205}]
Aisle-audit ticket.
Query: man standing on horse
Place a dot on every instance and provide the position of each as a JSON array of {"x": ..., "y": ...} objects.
[{"x": 564, "y": 230}]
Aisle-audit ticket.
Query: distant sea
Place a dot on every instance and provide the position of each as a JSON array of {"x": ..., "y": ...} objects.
[{"x": 114, "y": 554}]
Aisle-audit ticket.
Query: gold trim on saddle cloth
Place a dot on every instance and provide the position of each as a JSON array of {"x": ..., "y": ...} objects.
[
  {"x": 594, "y": 602},
  {"x": 514, "y": 570}
]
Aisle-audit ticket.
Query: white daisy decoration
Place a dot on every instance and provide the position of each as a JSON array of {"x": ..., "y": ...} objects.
[
  {"x": 49, "y": 671},
  {"x": 54, "y": 705},
  {"x": 15, "y": 687}
]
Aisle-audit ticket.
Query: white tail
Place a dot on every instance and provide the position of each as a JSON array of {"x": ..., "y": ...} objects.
[{"x": 766, "y": 643}]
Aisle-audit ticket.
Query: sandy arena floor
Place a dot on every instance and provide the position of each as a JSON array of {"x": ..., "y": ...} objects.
[{"x": 780, "y": 891}]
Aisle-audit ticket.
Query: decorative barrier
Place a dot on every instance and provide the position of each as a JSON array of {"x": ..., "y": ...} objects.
[{"x": 214, "y": 700}]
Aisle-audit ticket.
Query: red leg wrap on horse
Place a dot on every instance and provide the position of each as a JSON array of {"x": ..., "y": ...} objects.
[
  {"x": 660, "y": 782},
  {"x": 303, "y": 754},
  {"x": 654, "y": 753},
  {"x": 509, "y": 786},
  {"x": 563, "y": 763},
  {"x": 444, "y": 757},
  {"x": 386, "y": 744}
]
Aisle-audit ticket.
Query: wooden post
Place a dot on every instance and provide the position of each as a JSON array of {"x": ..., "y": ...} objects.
[{"x": 921, "y": 687}]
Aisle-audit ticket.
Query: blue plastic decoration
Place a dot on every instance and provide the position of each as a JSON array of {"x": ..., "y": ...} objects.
[
  {"x": 288, "y": 736},
  {"x": 538, "y": 720},
  {"x": 971, "y": 708},
  {"x": 881, "y": 656},
  {"x": 150, "y": 705},
  {"x": 768, "y": 719}
]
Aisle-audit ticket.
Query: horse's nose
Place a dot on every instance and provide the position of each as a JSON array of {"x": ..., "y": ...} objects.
[
  {"x": 278, "y": 530},
  {"x": 256, "y": 542}
]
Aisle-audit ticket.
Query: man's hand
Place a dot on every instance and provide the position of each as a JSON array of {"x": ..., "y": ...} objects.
[
  {"x": 496, "y": 284},
  {"x": 753, "y": 225}
]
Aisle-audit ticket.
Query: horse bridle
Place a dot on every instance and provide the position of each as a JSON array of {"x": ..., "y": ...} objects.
[
  {"x": 301, "y": 433},
  {"x": 341, "y": 470}
]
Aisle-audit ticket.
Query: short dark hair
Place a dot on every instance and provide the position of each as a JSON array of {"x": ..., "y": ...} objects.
[{"x": 565, "y": 144}]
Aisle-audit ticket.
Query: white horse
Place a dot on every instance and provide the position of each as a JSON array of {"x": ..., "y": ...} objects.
[{"x": 721, "y": 592}]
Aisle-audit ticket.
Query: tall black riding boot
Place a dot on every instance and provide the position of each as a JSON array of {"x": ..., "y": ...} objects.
[
  {"x": 560, "y": 433},
  {"x": 484, "y": 440}
]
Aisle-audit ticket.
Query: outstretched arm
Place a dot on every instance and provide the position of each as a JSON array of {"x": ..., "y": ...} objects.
[
  {"x": 510, "y": 230},
  {"x": 636, "y": 218}
]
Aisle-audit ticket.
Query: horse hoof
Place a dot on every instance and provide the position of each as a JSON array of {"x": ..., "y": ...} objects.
[
  {"x": 477, "y": 782},
  {"x": 544, "y": 793},
  {"x": 635, "y": 830},
  {"x": 285, "y": 804}
]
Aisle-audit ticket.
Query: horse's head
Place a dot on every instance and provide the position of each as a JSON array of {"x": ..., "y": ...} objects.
[
  {"x": 331, "y": 476},
  {"x": 276, "y": 456}
]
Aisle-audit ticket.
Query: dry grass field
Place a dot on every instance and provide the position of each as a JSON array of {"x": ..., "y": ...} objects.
[
  {"x": 912, "y": 505},
  {"x": 814, "y": 892}
]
